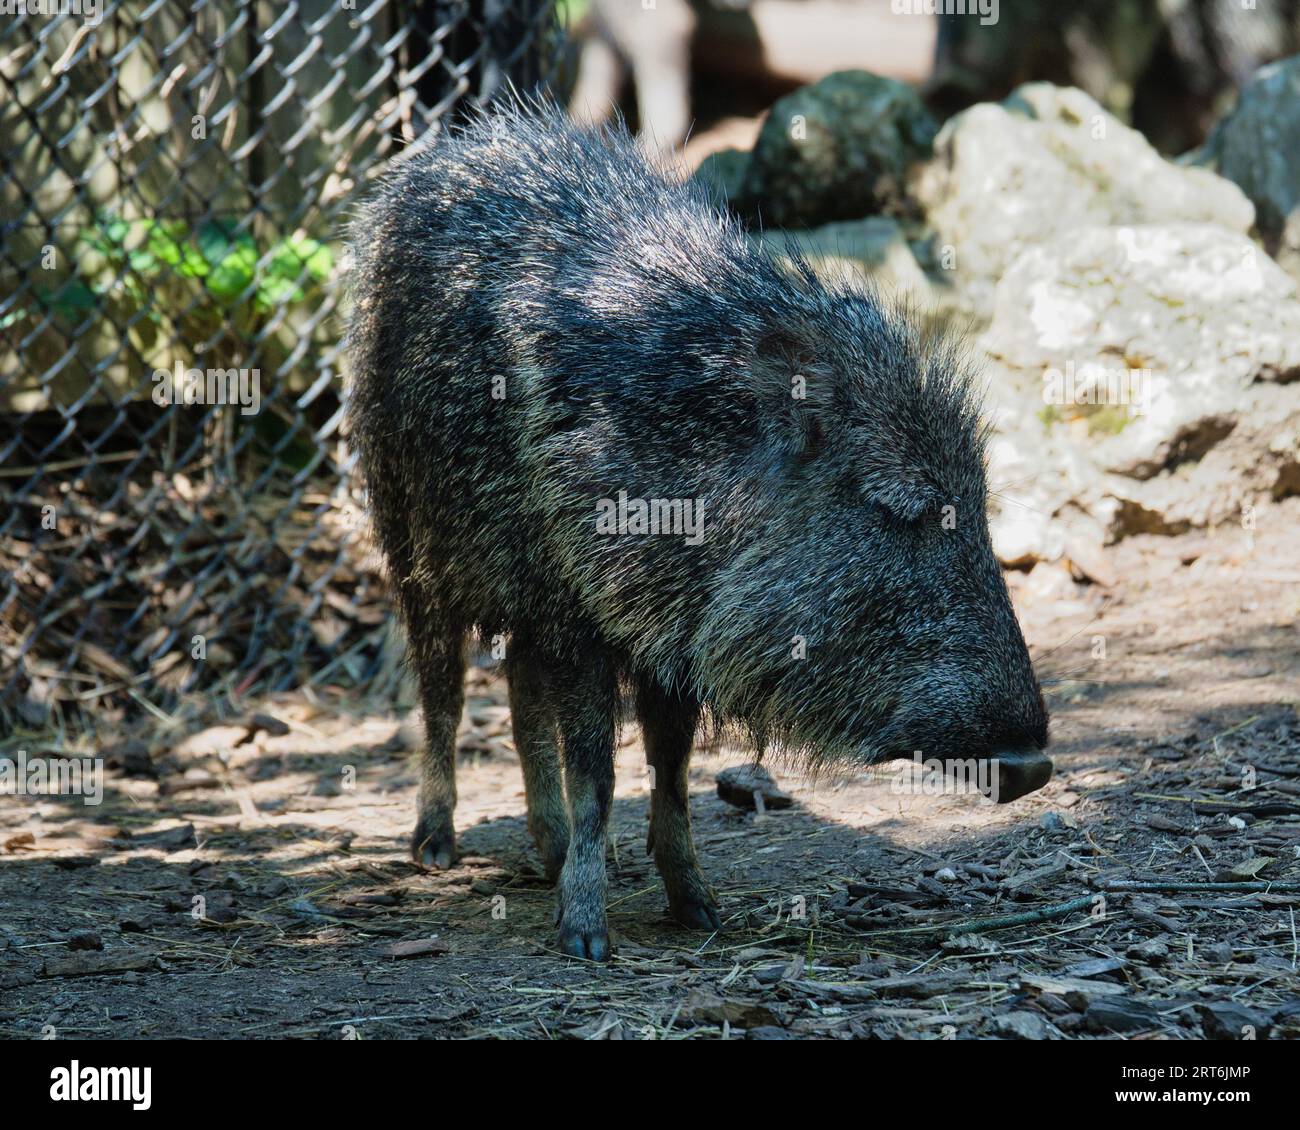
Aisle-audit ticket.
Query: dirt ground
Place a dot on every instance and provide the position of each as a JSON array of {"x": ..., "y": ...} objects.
[{"x": 248, "y": 883}]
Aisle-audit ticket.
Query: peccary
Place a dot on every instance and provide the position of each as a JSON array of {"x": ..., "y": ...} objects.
[{"x": 597, "y": 422}]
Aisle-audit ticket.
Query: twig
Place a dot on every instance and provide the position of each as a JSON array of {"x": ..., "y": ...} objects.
[
  {"x": 1001, "y": 922},
  {"x": 1212, "y": 807},
  {"x": 1244, "y": 885}
]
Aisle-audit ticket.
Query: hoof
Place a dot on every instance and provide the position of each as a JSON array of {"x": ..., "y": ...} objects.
[
  {"x": 695, "y": 914},
  {"x": 589, "y": 945},
  {"x": 433, "y": 848}
]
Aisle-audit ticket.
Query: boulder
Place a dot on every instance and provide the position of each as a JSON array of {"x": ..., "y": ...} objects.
[
  {"x": 1047, "y": 162},
  {"x": 723, "y": 173},
  {"x": 1257, "y": 147},
  {"x": 1142, "y": 380},
  {"x": 839, "y": 149}
]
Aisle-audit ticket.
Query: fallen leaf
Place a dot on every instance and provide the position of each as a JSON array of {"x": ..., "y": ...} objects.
[{"x": 417, "y": 947}]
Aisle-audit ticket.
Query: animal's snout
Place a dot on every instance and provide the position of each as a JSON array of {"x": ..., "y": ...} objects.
[{"x": 1015, "y": 772}]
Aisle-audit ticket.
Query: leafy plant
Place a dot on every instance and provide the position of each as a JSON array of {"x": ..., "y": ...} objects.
[
  {"x": 177, "y": 291},
  {"x": 223, "y": 256}
]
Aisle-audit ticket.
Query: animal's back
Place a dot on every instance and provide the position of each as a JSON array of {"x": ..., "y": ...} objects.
[{"x": 518, "y": 283}]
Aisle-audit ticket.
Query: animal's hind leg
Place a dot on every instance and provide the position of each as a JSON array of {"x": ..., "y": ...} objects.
[
  {"x": 436, "y": 652},
  {"x": 532, "y": 717},
  {"x": 668, "y": 722}
]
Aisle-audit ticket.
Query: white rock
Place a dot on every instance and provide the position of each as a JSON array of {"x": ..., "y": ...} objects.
[{"x": 1048, "y": 161}]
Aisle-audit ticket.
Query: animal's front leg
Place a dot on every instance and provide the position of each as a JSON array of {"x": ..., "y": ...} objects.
[{"x": 586, "y": 707}]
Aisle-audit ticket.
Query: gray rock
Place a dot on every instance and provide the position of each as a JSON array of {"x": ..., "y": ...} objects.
[
  {"x": 1047, "y": 162},
  {"x": 1143, "y": 379},
  {"x": 1258, "y": 147},
  {"x": 1153, "y": 951},
  {"x": 738, "y": 785},
  {"x": 1119, "y": 1014},
  {"x": 839, "y": 149},
  {"x": 1226, "y": 1020},
  {"x": 1023, "y": 1025},
  {"x": 723, "y": 173}
]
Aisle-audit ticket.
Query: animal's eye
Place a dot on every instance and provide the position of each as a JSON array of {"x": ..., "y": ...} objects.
[
  {"x": 900, "y": 504},
  {"x": 885, "y": 515}
]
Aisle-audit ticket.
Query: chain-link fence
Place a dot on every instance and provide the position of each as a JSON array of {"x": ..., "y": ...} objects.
[{"x": 176, "y": 510}]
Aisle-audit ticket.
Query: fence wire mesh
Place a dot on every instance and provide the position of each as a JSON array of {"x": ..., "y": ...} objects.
[{"x": 177, "y": 513}]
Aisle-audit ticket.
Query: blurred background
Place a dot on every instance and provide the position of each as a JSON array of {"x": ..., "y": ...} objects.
[{"x": 177, "y": 176}]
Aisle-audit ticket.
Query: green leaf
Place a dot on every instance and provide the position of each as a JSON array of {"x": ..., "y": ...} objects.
[
  {"x": 167, "y": 241},
  {"x": 232, "y": 275},
  {"x": 192, "y": 263},
  {"x": 71, "y": 298},
  {"x": 142, "y": 262},
  {"x": 107, "y": 234},
  {"x": 219, "y": 239},
  {"x": 275, "y": 292},
  {"x": 115, "y": 229},
  {"x": 291, "y": 256}
]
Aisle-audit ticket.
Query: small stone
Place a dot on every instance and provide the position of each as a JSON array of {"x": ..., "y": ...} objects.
[
  {"x": 1227, "y": 1021},
  {"x": 268, "y": 722},
  {"x": 1154, "y": 951},
  {"x": 1023, "y": 1025},
  {"x": 1111, "y": 1014},
  {"x": 738, "y": 785}
]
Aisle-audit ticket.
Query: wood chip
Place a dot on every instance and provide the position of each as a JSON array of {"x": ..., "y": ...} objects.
[
  {"x": 1062, "y": 986},
  {"x": 91, "y": 964},
  {"x": 1094, "y": 968},
  {"x": 704, "y": 1007},
  {"x": 269, "y": 723},
  {"x": 418, "y": 947},
  {"x": 1118, "y": 1015},
  {"x": 179, "y": 838}
]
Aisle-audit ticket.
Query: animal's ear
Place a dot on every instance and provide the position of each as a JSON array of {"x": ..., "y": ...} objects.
[{"x": 794, "y": 387}]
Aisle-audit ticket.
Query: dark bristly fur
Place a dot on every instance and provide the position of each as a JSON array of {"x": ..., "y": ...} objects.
[{"x": 643, "y": 345}]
